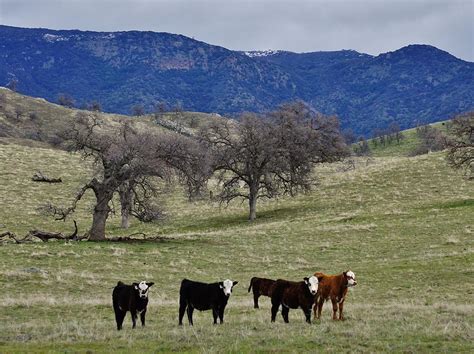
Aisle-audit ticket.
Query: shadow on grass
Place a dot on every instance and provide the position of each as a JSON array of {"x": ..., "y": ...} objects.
[
  {"x": 462, "y": 203},
  {"x": 222, "y": 222}
]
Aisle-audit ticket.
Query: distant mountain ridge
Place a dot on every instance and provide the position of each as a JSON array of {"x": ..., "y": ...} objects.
[{"x": 415, "y": 84}]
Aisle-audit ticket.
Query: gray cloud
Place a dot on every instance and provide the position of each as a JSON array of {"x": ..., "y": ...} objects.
[{"x": 370, "y": 26}]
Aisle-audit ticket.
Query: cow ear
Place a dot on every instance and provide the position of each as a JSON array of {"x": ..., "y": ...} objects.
[
  {"x": 320, "y": 278},
  {"x": 221, "y": 285},
  {"x": 150, "y": 284},
  {"x": 235, "y": 283},
  {"x": 135, "y": 285},
  {"x": 345, "y": 274},
  {"x": 306, "y": 279}
]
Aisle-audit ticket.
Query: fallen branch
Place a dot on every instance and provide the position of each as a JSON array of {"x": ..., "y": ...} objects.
[
  {"x": 10, "y": 235},
  {"x": 39, "y": 177},
  {"x": 45, "y": 236}
]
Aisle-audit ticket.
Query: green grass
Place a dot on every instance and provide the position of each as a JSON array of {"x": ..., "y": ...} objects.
[
  {"x": 409, "y": 142},
  {"x": 403, "y": 225}
]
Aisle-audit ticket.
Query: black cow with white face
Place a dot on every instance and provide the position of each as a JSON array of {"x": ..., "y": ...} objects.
[
  {"x": 202, "y": 297},
  {"x": 133, "y": 298}
]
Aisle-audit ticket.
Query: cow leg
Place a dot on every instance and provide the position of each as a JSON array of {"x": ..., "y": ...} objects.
[
  {"x": 182, "y": 310},
  {"x": 142, "y": 317},
  {"x": 134, "y": 317},
  {"x": 315, "y": 308},
  {"x": 255, "y": 300},
  {"x": 221, "y": 314},
  {"x": 334, "y": 308},
  {"x": 190, "y": 314},
  {"x": 119, "y": 316},
  {"x": 275, "y": 306},
  {"x": 307, "y": 313},
  {"x": 341, "y": 308},
  {"x": 284, "y": 313},
  {"x": 215, "y": 314}
]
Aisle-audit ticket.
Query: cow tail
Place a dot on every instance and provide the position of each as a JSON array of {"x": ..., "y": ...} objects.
[{"x": 251, "y": 283}]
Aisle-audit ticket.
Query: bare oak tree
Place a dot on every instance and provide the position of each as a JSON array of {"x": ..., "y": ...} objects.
[
  {"x": 138, "y": 110},
  {"x": 191, "y": 159},
  {"x": 243, "y": 154},
  {"x": 121, "y": 155},
  {"x": 66, "y": 100},
  {"x": 461, "y": 144},
  {"x": 264, "y": 158},
  {"x": 12, "y": 84},
  {"x": 182, "y": 156},
  {"x": 430, "y": 139},
  {"x": 94, "y": 106}
]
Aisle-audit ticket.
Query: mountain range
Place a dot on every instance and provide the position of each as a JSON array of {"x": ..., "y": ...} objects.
[{"x": 414, "y": 85}]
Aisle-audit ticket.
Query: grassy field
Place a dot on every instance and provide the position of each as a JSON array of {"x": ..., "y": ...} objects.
[
  {"x": 403, "y": 225},
  {"x": 409, "y": 142}
]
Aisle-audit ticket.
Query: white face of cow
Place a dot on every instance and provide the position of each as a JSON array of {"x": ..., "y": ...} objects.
[
  {"x": 312, "y": 283},
  {"x": 227, "y": 286},
  {"x": 142, "y": 288},
  {"x": 350, "y": 276}
]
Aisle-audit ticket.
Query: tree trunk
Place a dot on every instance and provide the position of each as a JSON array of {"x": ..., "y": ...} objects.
[
  {"x": 126, "y": 201},
  {"x": 97, "y": 231},
  {"x": 125, "y": 215},
  {"x": 101, "y": 212},
  {"x": 252, "y": 204}
]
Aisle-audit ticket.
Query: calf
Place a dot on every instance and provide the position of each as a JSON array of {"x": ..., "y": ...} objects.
[
  {"x": 333, "y": 287},
  {"x": 293, "y": 295},
  {"x": 133, "y": 298},
  {"x": 202, "y": 296},
  {"x": 261, "y": 286}
]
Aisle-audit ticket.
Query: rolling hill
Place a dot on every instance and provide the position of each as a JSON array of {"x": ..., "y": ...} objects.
[
  {"x": 416, "y": 84},
  {"x": 30, "y": 119},
  {"x": 403, "y": 225}
]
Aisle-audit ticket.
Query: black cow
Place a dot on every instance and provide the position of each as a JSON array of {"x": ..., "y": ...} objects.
[
  {"x": 133, "y": 298},
  {"x": 202, "y": 297},
  {"x": 290, "y": 294},
  {"x": 261, "y": 286}
]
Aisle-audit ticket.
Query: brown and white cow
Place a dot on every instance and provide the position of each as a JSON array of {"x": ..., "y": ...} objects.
[
  {"x": 333, "y": 287},
  {"x": 259, "y": 287}
]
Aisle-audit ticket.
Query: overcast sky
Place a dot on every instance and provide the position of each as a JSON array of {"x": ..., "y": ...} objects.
[{"x": 369, "y": 26}]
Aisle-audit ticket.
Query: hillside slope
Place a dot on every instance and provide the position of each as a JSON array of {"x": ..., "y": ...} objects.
[
  {"x": 35, "y": 119},
  {"x": 403, "y": 225},
  {"x": 413, "y": 85}
]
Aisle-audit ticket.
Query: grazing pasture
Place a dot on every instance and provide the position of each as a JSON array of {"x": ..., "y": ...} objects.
[{"x": 405, "y": 226}]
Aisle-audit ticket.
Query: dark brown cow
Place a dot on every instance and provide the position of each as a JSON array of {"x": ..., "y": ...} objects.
[
  {"x": 290, "y": 294},
  {"x": 261, "y": 286},
  {"x": 333, "y": 287}
]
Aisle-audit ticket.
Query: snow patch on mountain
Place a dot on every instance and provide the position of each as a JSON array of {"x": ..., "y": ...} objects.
[
  {"x": 261, "y": 53},
  {"x": 48, "y": 37}
]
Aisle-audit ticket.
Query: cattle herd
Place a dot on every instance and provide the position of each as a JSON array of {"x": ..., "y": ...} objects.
[{"x": 315, "y": 289}]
